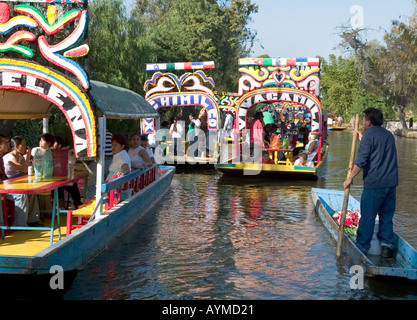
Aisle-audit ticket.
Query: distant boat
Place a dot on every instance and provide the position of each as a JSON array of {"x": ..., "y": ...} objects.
[
  {"x": 332, "y": 123},
  {"x": 284, "y": 100}
]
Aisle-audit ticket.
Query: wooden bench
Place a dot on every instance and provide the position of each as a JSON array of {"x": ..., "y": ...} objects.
[{"x": 83, "y": 213}]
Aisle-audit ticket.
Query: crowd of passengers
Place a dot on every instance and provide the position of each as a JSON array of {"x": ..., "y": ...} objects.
[
  {"x": 269, "y": 136},
  {"x": 16, "y": 157}
]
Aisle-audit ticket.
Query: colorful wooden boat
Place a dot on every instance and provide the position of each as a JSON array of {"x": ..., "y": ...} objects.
[
  {"x": 29, "y": 91},
  {"x": 404, "y": 264},
  {"x": 190, "y": 91},
  {"x": 278, "y": 87},
  {"x": 332, "y": 123}
]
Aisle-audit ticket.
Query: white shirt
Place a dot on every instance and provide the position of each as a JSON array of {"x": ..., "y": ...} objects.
[
  {"x": 118, "y": 160},
  {"x": 178, "y": 133},
  {"x": 311, "y": 156},
  {"x": 297, "y": 163},
  {"x": 135, "y": 158}
]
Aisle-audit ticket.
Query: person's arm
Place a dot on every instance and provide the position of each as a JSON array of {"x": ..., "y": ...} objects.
[
  {"x": 124, "y": 170},
  {"x": 313, "y": 147},
  {"x": 145, "y": 157},
  {"x": 20, "y": 166}
]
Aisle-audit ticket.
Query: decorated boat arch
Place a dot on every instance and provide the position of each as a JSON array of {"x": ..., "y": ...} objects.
[
  {"x": 42, "y": 66},
  {"x": 279, "y": 86},
  {"x": 29, "y": 32},
  {"x": 166, "y": 89}
]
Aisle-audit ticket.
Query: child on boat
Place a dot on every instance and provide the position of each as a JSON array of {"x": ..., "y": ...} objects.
[
  {"x": 302, "y": 161},
  {"x": 265, "y": 158}
]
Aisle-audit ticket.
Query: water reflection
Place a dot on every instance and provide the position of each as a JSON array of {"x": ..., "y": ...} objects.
[{"x": 216, "y": 237}]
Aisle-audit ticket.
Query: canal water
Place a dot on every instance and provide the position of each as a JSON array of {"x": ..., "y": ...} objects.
[{"x": 214, "y": 237}]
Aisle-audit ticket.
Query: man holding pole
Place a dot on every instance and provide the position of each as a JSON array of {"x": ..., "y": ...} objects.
[{"x": 377, "y": 157}]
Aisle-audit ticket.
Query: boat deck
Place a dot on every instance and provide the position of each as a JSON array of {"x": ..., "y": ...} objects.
[{"x": 29, "y": 243}]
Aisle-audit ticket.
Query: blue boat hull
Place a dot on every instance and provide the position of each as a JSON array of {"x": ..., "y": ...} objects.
[
  {"x": 404, "y": 265},
  {"x": 77, "y": 249}
]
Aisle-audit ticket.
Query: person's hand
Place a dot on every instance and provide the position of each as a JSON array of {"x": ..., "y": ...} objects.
[
  {"x": 120, "y": 173},
  {"x": 347, "y": 183},
  {"x": 359, "y": 134}
]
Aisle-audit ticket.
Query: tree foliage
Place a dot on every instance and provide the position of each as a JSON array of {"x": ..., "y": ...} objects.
[
  {"x": 386, "y": 73},
  {"x": 168, "y": 31},
  {"x": 340, "y": 85}
]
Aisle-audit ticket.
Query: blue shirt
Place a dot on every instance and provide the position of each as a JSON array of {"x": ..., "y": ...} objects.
[{"x": 377, "y": 157}]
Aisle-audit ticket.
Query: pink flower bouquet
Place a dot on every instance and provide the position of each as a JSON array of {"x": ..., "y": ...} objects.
[{"x": 351, "y": 221}]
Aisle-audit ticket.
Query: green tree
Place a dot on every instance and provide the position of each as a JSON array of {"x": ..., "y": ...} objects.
[
  {"x": 190, "y": 30},
  {"x": 398, "y": 64},
  {"x": 340, "y": 85},
  {"x": 118, "y": 43},
  {"x": 387, "y": 72}
]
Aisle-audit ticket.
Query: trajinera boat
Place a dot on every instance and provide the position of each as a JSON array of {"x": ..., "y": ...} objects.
[
  {"x": 332, "y": 123},
  {"x": 30, "y": 90},
  {"x": 185, "y": 86},
  {"x": 404, "y": 264},
  {"x": 286, "y": 91}
]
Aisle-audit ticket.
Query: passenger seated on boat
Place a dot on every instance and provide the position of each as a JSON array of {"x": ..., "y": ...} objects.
[
  {"x": 302, "y": 161},
  {"x": 265, "y": 158},
  {"x": 72, "y": 188},
  {"x": 267, "y": 135},
  {"x": 302, "y": 139},
  {"x": 139, "y": 158},
  {"x": 16, "y": 164},
  {"x": 144, "y": 141},
  {"x": 311, "y": 148},
  {"x": 274, "y": 138},
  {"x": 120, "y": 164}
]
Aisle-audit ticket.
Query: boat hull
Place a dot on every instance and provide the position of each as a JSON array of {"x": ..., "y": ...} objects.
[
  {"x": 274, "y": 170},
  {"x": 77, "y": 249},
  {"x": 326, "y": 202}
]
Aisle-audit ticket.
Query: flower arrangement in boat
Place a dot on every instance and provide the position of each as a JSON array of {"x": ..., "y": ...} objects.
[{"x": 351, "y": 221}]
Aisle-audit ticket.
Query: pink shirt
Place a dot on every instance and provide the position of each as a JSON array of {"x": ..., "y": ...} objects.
[{"x": 256, "y": 131}]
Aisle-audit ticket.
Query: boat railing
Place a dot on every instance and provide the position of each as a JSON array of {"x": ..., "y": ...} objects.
[{"x": 118, "y": 189}]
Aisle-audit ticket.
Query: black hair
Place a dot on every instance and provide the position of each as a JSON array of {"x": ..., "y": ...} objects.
[
  {"x": 120, "y": 139},
  {"x": 59, "y": 140},
  {"x": 16, "y": 140},
  {"x": 374, "y": 115},
  {"x": 259, "y": 115},
  {"x": 48, "y": 137}
]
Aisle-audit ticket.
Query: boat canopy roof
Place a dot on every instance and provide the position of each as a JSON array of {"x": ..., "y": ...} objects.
[
  {"x": 18, "y": 104},
  {"x": 121, "y": 103}
]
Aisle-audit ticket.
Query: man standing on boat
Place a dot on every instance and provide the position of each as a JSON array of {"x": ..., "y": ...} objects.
[{"x": 377, "y": 157}]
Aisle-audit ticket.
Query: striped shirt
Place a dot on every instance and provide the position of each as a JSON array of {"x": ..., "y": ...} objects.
[{"x": 107, "y": 146}]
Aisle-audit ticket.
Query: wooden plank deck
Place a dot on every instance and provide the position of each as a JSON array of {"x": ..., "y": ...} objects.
[{"x": 29, "y": 243}]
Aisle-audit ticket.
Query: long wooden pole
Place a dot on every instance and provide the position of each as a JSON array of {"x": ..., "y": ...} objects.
[{"x": 347, "y": 190}]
